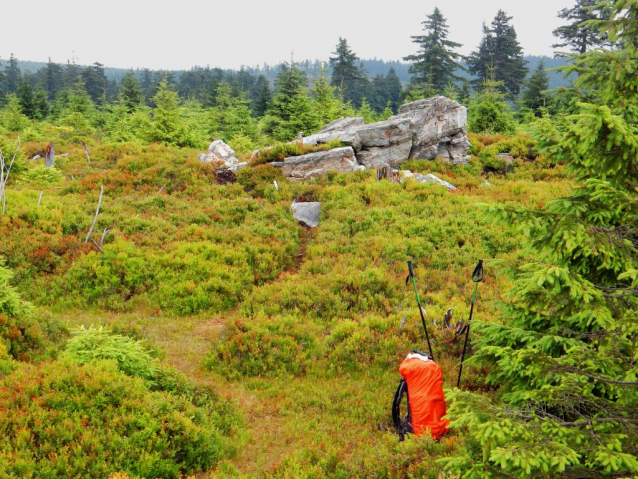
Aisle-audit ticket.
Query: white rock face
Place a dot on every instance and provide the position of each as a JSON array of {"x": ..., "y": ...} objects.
[
  {"x": 386, "y": 142},
  {"x": 312, "y": 165},
  {"x": 439, "y": 129},
  {"x": 343, "y": 129},
  {"x": 220, "y": 152}
]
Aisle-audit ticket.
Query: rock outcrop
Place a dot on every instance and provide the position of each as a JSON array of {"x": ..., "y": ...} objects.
[
  {"x": 423, "y": 129},
  {"x": 219, "y": 152},
  {"x": 439, "y": 129},
  {"x": 386, "y": 142},
  {"x": 343, "y": 129},
  {"x": 312, "y": 165}
]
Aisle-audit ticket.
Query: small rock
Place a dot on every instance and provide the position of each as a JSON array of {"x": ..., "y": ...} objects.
[
  {"x": 307, "y": 213},
  {"x": 238, "y": 166},
  {"x": 507, "y": 157},
  {"x": 220, "y": 152},
  {"x": 429, "y": 178},
  {"x": 36, "y": 157}
]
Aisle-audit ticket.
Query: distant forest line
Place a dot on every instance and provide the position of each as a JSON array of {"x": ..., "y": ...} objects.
[{"x": 372, "y": 67}]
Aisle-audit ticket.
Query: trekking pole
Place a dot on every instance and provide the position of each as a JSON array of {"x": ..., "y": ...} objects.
[
  {"x": 477, "y": 277},
  {"x": 418, "y": 301}
]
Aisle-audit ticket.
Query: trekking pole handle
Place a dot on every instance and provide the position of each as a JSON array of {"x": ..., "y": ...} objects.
[
  {"x": 477, "y": 275},
  {"x": 410, "y": 269}
]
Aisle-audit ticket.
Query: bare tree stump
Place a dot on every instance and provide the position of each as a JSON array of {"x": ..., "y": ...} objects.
[{"x": 50, "y": 156}]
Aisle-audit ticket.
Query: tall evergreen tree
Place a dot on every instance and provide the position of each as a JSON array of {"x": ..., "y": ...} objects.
[
  {"x": 3, "y": 88},
  {"x": 394, "y": 89},
  {"x": 534, "y": 96},
  {"x": 12, "y": 74},
  {"x": 95, "y": 82},
  {"x": 564, "y": 354},
  {"x": 291, "y": 112},
  {"x": 130, "y": 92},
  {"x": 577, "y": 35},
  {"x": 72, "y": 72},
  {"x": 347, "y": 74},
  {"x": 500, "y": 54},
  {"x": 327, "y": 106},
  {"x": 436, "y": 63},
  {"x": 32, "y": 102},
  {"x": 167, "y": 126},
  {"x": 264, "y": 96},
  {"x": 52, "y": 79},
  {"x": 148, "y": 85}
]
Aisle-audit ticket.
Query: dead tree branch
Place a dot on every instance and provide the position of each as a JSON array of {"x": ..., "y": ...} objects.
[
  {"x": 97, "y": 246},
  {"x": 97, "y": 212},
  {"x": 106, "y": 230},
  {"x": 86, "y": 151},
  {"x": 5, "y": 171}
]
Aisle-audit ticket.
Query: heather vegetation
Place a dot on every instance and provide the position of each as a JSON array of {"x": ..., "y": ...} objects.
[{"x": 161, "y": 319}]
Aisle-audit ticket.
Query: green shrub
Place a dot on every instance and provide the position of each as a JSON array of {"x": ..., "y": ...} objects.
[
  {"x": 42, "y": 173},
  {"x": 93, "y": 344},
  {"x": 64, "y": 420},
  {"x": 10, "y": 303},
  {"x": 258, "y": 350}
]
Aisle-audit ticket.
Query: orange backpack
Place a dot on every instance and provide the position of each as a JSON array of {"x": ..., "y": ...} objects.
[{"x": 423, "y": 382}]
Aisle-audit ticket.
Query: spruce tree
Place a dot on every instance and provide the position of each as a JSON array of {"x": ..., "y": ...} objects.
[
  {"x": 347, "y": 75},
  {"x": 394, "y": 89},
  {"x": 264, "y": 96},
  {"x": 53, "y": 79},
  {"x": 231, "y": 115},
  {"x": 291, "y": 111},
  {"x": 579, "y": 36},
  {"x": 71, "y": 74},
  {"x": 436, "y": 63},
  {"x": 564, "y": 354},
  {"x": 166, "y": 126},
  {"x": 325, "y": 103},
  {"x": 130, "y": 92},
  {"x": 534, "y": 96},
  {"x": 3, "y": 87},
  {"x": 12, "y": 74},
  {"x": 499, "y": 50},
  {"x": 95, "y": 82},
  {"x": 32, "y": 102}
]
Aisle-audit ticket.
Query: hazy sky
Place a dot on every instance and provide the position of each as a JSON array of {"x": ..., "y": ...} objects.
[{"x": 177, "y": 34}]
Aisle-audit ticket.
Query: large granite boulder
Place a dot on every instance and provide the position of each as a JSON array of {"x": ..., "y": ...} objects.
[
  {"x": 439, "y": 129},
  {"x": 343, "y": 129},
  {"x": 312, "y": 165},
  {"x": 219, "y": 152},
  {"x": 385, "y": 142}
]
